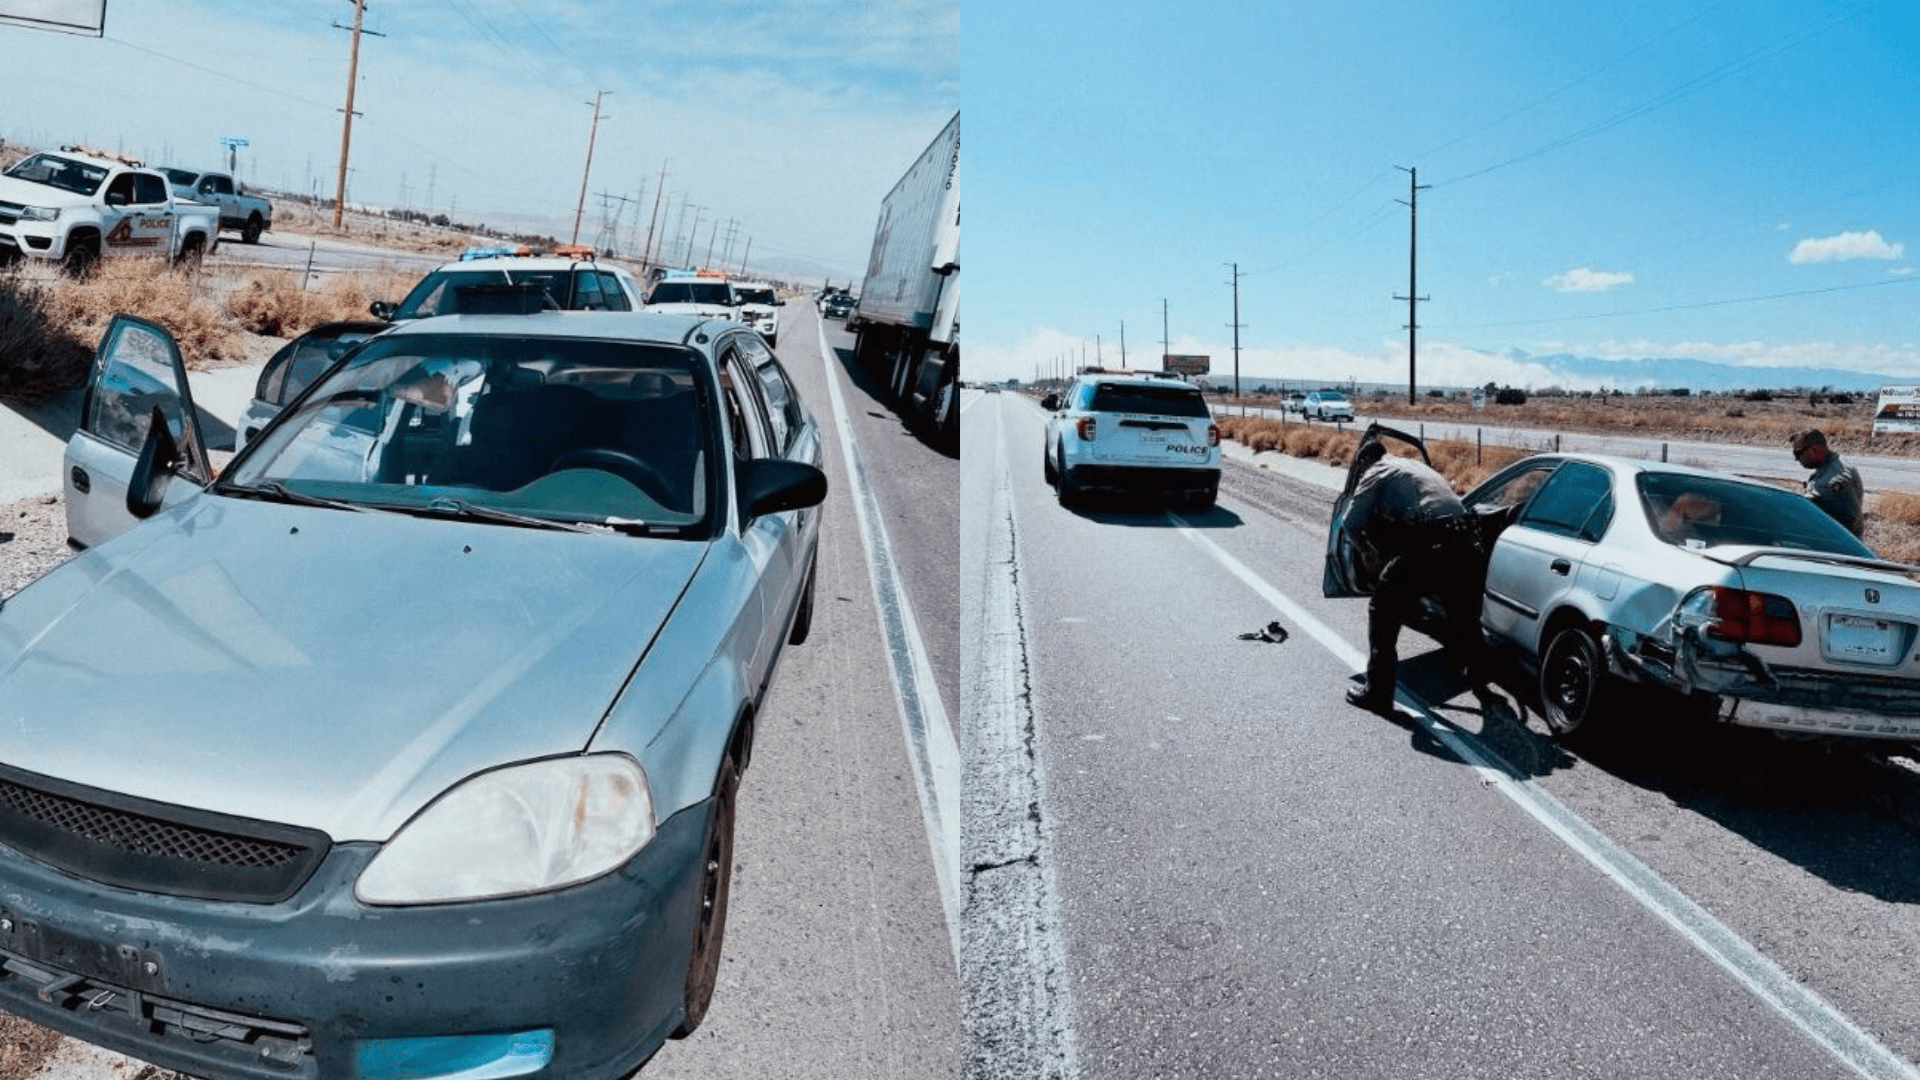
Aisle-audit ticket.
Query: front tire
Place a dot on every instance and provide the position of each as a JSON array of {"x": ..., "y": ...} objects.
[
  {"x": 710, "y": 919},
  {"x": 83, "y": 254},
  {"x": 1573, "y": 681},
  {"x": 803, "y": 619}
]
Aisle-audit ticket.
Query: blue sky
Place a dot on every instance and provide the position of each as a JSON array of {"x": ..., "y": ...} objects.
[
  {"x": 770, "y": 117},
  {"x": 1617, "y": 180}
]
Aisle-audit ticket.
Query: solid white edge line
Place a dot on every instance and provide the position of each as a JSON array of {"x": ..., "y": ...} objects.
[
  {"x": 934, "y": 752},
  {"x": 1827, "y": 1026}
]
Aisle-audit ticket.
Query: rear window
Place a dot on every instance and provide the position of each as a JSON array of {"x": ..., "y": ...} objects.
[
  {"x": 691, "y": 292},
  {"x": 1157, "y": 400},
  {"x": 1715, "y": 511}
]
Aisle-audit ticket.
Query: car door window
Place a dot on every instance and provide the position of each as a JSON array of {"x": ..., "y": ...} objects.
[
  {"x": 784, "y": 414},
  {"x": 746, "y": 413},
  {"x": 1576, "y": 501},
  {"x": 614, "y": 296},
  {"x": 586, "y": 291}
]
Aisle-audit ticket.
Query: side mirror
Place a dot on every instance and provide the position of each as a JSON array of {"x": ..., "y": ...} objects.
[
  {"x": 770, "y": 485},
  {"x": 381, "y": 309},
  {"x": 779, "y": 303},
  {"x": 153, "y": 469},
  {"x": 1051, "y": 403}
]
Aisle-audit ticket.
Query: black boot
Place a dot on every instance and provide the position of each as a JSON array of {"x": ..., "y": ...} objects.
[{"x": 1363, "y": 696}]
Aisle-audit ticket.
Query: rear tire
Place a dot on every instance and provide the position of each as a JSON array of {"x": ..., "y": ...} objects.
[
  {"x": 192, "y": 250},
  {"x": 1068, "y": 487},
  {"x": 1574, "y": 682},
  {"x": 710, "y": 918},
  {"x": 1046, "y": 467},
  {"x": 250, "y": 232}
]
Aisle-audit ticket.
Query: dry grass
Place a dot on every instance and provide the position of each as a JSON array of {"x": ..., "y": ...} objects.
[
  {"x": 1893, "y": 526},
  {"x": 1463, "y": 464},
  {"x": 49, "y": 324},
  {"x": 273, "y": 303},
  {"x": 1718, "y": 418}
]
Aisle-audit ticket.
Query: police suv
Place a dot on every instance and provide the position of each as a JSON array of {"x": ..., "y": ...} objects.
[{"x": 1127, "y": 431}]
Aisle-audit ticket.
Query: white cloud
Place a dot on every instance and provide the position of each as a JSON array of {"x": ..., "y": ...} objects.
[
  {"x": 1583, "y": 280},
  {"x": 1846, "y": 245}
]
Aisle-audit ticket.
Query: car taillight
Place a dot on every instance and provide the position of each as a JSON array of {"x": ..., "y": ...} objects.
[
  {"x": 1757, "y": 617},
  {"x": 1213, "y": 434},
  {"x": 1085, "y": 428}
]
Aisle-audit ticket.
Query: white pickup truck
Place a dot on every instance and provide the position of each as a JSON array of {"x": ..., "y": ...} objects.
[
  {"x": 72, "y": 207},
  {"x": 240, "y": 210}
]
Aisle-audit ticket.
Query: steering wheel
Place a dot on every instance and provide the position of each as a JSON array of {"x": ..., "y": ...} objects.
[{"x": 621, "y": 464}]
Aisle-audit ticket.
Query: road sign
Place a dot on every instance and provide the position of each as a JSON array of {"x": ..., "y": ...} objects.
[{"x": 1185, "y": 365}]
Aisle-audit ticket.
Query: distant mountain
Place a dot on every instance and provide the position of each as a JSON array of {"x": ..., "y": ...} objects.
[{"x": 1702, "y": 375}]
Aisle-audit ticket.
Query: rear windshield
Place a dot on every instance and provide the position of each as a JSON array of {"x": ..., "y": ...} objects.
[
  {"x": 438, "y": 292},
  {"x": 691, "y": 292},
  {"x": 1709, "y": 511},
  {"x": 1157, "y": 400}
]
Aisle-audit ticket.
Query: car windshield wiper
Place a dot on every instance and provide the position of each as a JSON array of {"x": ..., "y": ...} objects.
[
  {"x": 279, "y": 492},
  {"x": 443, "y": 504}
]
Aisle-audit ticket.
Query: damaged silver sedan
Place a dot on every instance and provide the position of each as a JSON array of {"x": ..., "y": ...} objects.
[
  {"x": 1738, "y": 598},
  {"x": 408, "y": 747}
]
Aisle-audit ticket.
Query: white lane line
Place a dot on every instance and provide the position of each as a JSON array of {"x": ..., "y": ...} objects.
[
  {"x": 1826, "y": 1025},
  {"x": 1019, "y": 993},
  {"x": 923, "y": 716}
]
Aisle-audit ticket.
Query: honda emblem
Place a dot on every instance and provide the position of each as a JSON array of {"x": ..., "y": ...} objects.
[{"x": 1873, "y": 596}]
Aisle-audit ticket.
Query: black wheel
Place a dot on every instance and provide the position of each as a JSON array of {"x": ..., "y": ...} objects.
[
  {"x": 621, "y": 464},
  {"x": 1068, "y": 487},
  {"x": 250, "y": 232},
  {"x": 1573, "y": 681},
  {"x": 710, "y": 918},
  {"x": 1206, "y": 497},
  {"x": 192, "y": 250},
  {"x": 1046, "y": 467},
  {"x": 803, "y": 619},
  {"x": 83, "y": 254}
]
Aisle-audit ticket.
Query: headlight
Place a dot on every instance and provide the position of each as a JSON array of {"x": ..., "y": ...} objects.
[
  {"x": 522, "y": 829},
  {"x": 40, "y": 213}
]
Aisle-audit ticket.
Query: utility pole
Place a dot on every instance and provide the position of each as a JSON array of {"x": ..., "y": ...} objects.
[
  {"x": 1236, "y": 324},
  {"x": 1166, "y": 342},
  {"x": 744, "y": 256},
  {"x": 646, "y": 256},
  {"x": 1412, "y": 203},
  {"x": 346, "y": 123},
  {"x": 1123, "y": 343},
  {"x": 581, "y": 206}
]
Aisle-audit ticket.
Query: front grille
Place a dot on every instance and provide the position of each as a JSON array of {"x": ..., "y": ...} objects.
[{"x": 151, "y": 846}]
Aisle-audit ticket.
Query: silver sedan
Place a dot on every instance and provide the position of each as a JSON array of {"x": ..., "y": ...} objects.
[
  {"x": 407, "y": 747},
  {"x": 1737, "y": 598}
]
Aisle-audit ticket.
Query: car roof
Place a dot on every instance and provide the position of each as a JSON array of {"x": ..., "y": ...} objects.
[
  {"x": 1141, "y": 378},
  {"x": 1632, "y": 466},
  {"x": 638, "y": 326},
  {"x": 523, "y": 262}
]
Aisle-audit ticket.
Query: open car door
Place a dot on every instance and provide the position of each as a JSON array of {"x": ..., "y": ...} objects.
[
  {"x": 1343, "y": 575},
  {"x": 137, "y": 375}
]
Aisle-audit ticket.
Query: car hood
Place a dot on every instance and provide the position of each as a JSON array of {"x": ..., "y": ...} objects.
[{"x": 321, "y": 668}]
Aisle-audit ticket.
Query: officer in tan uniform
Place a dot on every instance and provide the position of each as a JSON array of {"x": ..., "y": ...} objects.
[
  {"x": 1415, "y": 538},
  {"x": 1834, "y": 485}
]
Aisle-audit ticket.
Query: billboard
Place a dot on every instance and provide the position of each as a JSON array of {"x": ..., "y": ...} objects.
[
  {"x": 1898, "y": 410},
  {"x": 1185, "y": 365},
  {"x": 71, "y": 16}
]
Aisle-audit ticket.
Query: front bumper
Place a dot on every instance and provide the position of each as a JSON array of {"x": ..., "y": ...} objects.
[{"x": 584, "y": 982}]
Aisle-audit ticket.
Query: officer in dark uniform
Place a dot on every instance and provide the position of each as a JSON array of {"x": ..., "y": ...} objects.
[
  {"x": 1415, "y": 538},
  {"x": 1835, "y": 485}
]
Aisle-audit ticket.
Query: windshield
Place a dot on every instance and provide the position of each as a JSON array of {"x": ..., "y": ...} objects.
[
  {"x": 63, "y": 173},
  {"x": 181, "y": 177},
  {"x": 438, "y": 292},
  {"x": 1332, "y": 396},
  {"x": 691, "y": 292},
  {"x": 557, "y": 429},
  {"x": 1702, "y": 511}
]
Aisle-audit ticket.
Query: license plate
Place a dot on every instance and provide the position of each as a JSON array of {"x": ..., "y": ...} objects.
[
  {"x": 1147, "y": 437},
  {"x": 1862, "y": 639}
]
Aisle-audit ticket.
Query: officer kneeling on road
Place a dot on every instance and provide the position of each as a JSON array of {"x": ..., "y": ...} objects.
[{"x": 1415, "y": 539}]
